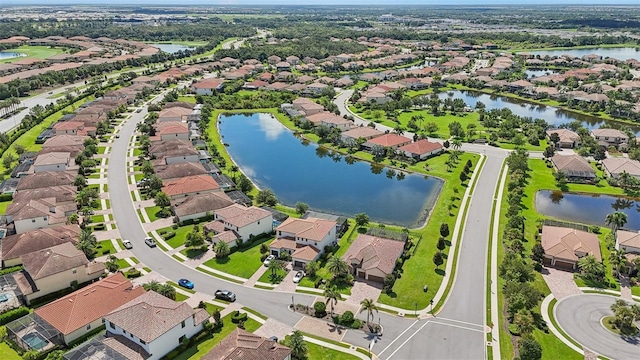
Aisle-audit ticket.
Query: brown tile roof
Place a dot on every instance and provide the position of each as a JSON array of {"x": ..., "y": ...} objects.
[
  {"x": 371, "y": 252},
  {"x": 309, "y": 228},
  {"x": 171, "y": 127},
  {"x": 178, "y": 170},
  {"x": 15, "y": 246},
  {"x": 46, "y": 179},
  {"x": 42, "y": 208},
  {"x": 160, "y": 147},
  {"x": 241, "y": 216},
  {"x": 176, "y": 111},
  {"x": 563, "y": 243},
  {"x": 215, "y": 226},
  {"x": 65, "y": 140},
  {"x": 63, "y": 194},
  {"x": 52, "y": 158},
  {"x": 243, "y": 345},
  {"x": 92, "y": 302},
  {"x": 190, "y": 184},
  {"x": 617, "y": 166},
  {"x": 125, "y": 347},
  {"x": 284, "y": 243},
  {"x": 46, "y": 262},
  {"x": 421, "y": 147},
  {"x": 150, "y": 315},
  {"x": 565, "y": 135},
  {"x": 362, "y": 131},
  {"x": 628, "y": 238},
  {"x": 389, "y": 140},
  {"x": 207, "y": 202},
  {"x": 573, "y": 165},
  {"x": 228, "y": 236},
  {"x": 609, "y": 133},
  {"x": 306, "y": 253}
]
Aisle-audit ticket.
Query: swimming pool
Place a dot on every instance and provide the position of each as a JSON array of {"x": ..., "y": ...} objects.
[{"x": 35, "y": 341}]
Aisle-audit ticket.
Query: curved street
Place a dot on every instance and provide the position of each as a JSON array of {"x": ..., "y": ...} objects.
[{"x": 580, "y": 317}]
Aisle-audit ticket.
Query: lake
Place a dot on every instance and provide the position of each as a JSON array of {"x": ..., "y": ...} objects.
[
  {"x": 273, "y": 157},
  {"x": 9, "y": 55},
  {"x": 586, "y": 208},
  {"x": 551, "y": 115},
  {"x": 622, "y": 53},
  {"x": 172, "y": 48}
]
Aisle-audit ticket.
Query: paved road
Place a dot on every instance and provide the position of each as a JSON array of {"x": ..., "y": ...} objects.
[{"x": 579, "y": 316}]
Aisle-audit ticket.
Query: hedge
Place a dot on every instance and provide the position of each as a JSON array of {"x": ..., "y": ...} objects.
[
  {"x": 238, "y": 316},
  {"x": 13, "y": 314},
  {"x": 168, "y": 235},
  {"x": 10, "y": 269}
]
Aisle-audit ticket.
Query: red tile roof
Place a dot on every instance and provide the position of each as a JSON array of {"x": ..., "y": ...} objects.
[
  {"x": 421, "y": 147},
  {"x": 190, "y": 184},
  {"x": 389, "y": 140}
]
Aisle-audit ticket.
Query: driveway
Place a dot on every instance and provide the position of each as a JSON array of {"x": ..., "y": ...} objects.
[{"x": 560, "y": 282}]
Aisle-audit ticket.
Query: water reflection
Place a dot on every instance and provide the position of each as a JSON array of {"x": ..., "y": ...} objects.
[
  {"x": 622, "y": 53},
  {"x": 587, "y": 208}
]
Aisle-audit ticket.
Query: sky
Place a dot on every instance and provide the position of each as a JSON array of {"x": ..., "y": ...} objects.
[{"x": 324, "y": 2}]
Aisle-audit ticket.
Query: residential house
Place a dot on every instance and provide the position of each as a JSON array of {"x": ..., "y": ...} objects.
[
  {"x": 373, "y": 258},
  {"x": 304, "y": 239},
  {"x": 628, "y": 241},
  {"x": 55, "y": 268},
  {"x": 329, "y": 120},
  {"x": 196, "y": 207},
  {"x": 283, "y": 66},
  {"x": 316, "y": 88},
  {"x": 15, "y": 246},
  {"x": 175, "y": 151},
  {"x": 207, "y": 86},
  {"x": 364, "y": 132},
  {"x": 174, "y": 114},
  {"x": 46, "y": 179},
  {"x": 615, "y": 167},
  {"x": 73, "y": 128},
  {"x": 567, "y": 138},
  {"x": 189, "y": 186},
  {"x": 81, "y": 312},
  {"x": 155, "y": 323},
  {"x": 575, "y": 167},
  {"x": 38, "y": 214},
  {"x": 243, "y": 345},
  {"x": 308, "y": 106},
  {"x": 172, "y": 130},
  {"x": 178, "y": 170},
  {"x": 273, "y": 59},
  {"x": 65, "y": 140},
  {"x": 420, "y": 149},
  {"x": 563, "y": 247},
  {"x": 53, "y": 161},
  {"x": 610, "y": 137},
  {"x": 246, "y": 222},
  {"x": 390, "y": 140}
]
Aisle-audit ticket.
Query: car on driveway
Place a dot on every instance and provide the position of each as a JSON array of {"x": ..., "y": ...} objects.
[
  {"x": 298, "y": 276},
  {"x": 150, "y": 242},
  {"x": 127, "y": 244},
  {"x": 268, "y": 260},
  {"x": 188, "y": 284},
  {"x": 225, "y": 295}
]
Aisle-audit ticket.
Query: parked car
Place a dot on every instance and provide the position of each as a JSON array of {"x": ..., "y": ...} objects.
[
  {"x": 186, "y": 283},
  {"x": 139, "y": 110},
  {"x": 298, "y": 276},
  {"x": 225, "y": 295},
  {"x": 150, "y": 242},
  {"x": 268, "y": 260},
  {"x": 127, "y": 244}
]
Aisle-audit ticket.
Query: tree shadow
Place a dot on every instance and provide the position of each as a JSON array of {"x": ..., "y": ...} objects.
[{"x": 222, "y": 260}]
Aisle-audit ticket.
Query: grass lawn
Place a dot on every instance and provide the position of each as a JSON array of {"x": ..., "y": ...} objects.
[
  {"x": 635, "y": 290},
  {"x": 97, "y": 218},
  {"x": 275, "y": 279},
  {"x": 181, "y": 297},
  {"x": 199, "y": 350},
  {"x": 123, "y": 264},
  {"x": 181, "y": 235},
  {"x": 3, "y": 206},
  {"x": 212, "y": 308},
  {"x": 102, "y": 149},
  {"x": 137, "y": 152},
  {"x": 106, "y": 245},
  {"x": 7, "y": 353},
  {"x": 192, "y": 252},
  {"x": 241, "y": 263},
  {"x": 152, "y": 211},
  {"x": 39, "y": 52},
  {"x": 317, "y": 352},
  {"x": 188, "y": 99}
]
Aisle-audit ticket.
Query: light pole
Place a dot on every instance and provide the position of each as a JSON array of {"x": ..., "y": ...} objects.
[{"x": 293, "y": 304}]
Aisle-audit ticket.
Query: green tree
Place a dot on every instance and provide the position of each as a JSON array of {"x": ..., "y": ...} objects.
[
  {"x": 591, "y": 268},
  {"x": 112, "y": 264},
  {"x": 442, "y": 244},
  {"x": 312, "y": 268},
  {"x": 616, "y": 220},
  {"x": 194, "y": 238},
  {"x": 162, "y": 200},
  {"x": 368, "y": 305},
  {"x": 8, "y": 160},
  {"x": 80, "y": 182},
  {"x": 147, "y": 168},
  {"x": 337, "y": 267},
  {"x": 87, "y": 243},
  {"x": 332, "y": 295},
  {"x": 362, "y": 219},
  {"x": 524, "y": 321},
  {"x": 264, "y": 248},
  {"x": 267, "y": 197},
  {"x": 221, "y": 249},
  {"x": 274, "y": 266},
  {"x": 301, "y": 207},
  {"x": 298, "y": 346},
  {"x": 529, "y": 349},
  {"x": 165, "y": 290},
  {"x": 549, "y": 151},
  {"x": 244, "y": 184},
  {"x": 444, "y": 230},
  {"x": 438, "y": 259}
]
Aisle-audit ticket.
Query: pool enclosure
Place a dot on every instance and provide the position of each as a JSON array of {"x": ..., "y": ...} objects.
[{"x": 31, "y": 332}]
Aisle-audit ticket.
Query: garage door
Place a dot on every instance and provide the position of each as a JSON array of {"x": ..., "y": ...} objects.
[
  {"x": 361, "y": 274},
  {"x": 564, "y": 265},
  {"x": 376, "y": 278}
]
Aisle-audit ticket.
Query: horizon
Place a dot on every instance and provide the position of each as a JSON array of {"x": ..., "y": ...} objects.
[{"x": 319, "y": 3}]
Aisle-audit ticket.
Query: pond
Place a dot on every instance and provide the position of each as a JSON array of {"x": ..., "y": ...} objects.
[
  {"x": 537, "y": 73},
  {"x": 587, "y": 208},
  {"x": 622, "y": 53},
  {"x": 172, "y": 48},
  {"x": 9, "y": 55},
  {"x": 551, "y": 115},
  {"x": 296, "y": 170}
]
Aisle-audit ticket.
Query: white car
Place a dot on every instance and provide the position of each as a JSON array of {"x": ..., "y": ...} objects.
[
  {"x": 268, "y": 260},
  {"x": 127, "y": 244},
  {"x": 150, "y": 242},
  {"x": 298, "y": 276}
]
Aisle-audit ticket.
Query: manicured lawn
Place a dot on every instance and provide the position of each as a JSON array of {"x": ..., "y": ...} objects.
[
  {"x": 181, "y": 235},
  {"x": 7, "y": 353},
  {"x": 123, "y": 264},
  {"x": 635, "y": 290},
  {"x": 212, "y": 308},
  {"x": 188, "y": 99},
  {"x": 39, "y": 52},
  {"x": 106, "y": 245},
  {"x": 275, "y": 279},
  {"x": 181, "y": 297},
  {"x": 199, "y": 350},
  {"x": 102, "y": 149},
  {"x": 3, "y": 206},
  {"x": 315, "y": 351},
  {"x": 97, "y": 218},
  {"x": 241, "y": 263},
  {"x": 192, "y": 253},
  {"x": 152, "y": 211}
]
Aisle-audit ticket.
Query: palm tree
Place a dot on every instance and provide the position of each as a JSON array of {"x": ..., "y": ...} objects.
[
  {"x": 274, "y": 266},
  {"x": 369, "y": 305},
  {"x": 591, "y": 268},
  {"x": 221, "y": 249},
  {"x": 297, "y": 345},
  {"x": 524, "y": 321},
  {"x": 336, "y": 266},
  {"x": 617, "y": 259},
  {"x": 332, "y": 295},
  {"x": 456, "y": 144},
  {"x": 616, "y": 220}
]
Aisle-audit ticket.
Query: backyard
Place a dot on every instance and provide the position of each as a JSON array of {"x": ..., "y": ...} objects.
[{"x": 243, "y": 262}]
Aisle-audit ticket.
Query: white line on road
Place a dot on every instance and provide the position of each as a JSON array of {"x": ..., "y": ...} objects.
[
  {"x": 397, "y": 337},
  {"x": 456, "y": 326},
  {"x": 406, "y": 341},
  {"x": 458, "y": 321}
]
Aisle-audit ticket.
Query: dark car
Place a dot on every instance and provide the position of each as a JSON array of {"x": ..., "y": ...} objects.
[
  {"x": 225, "y": 295},
  {"x": 185, "y": 283},
  {"x": 150, "y": 242}
]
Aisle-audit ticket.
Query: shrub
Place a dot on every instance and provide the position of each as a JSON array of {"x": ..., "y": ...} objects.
[
  {"x": 320, "y": 308},
  {"x": 346, "y": 318},
  {"x": 175, "y": 226},
  {"x": 318, "y": 282},
  {"x": 133, "y": 273},
  {"x": 13, "y": 314},
  {"x": 106, "y": 251},
  {"x": 10, "y": 269},
  {"x": 237, "y": 317},
  {"x": 168, "y": 235},
  {"x": 99, "y": 227}
]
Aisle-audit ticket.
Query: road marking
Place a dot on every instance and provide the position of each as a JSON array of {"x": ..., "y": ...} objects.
[
  {"x": 459, "y": 321},
  {"x": 457, "y": 326},
  {"x": 406, "y": 341},
  {"x": 397, "y": 337}
]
